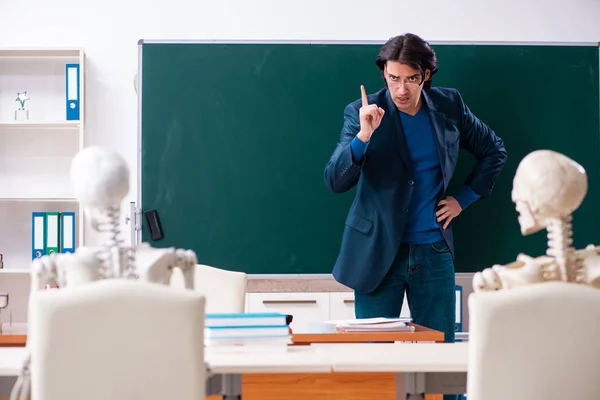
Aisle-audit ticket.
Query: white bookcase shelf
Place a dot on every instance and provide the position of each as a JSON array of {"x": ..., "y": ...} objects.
[
  {"x": 41, "y": 52},
  {"x": 14, "y": 271},
  {"x": 38, "y": 199},
  {"x": 36, "y": 154},
  {"x": 37, "y": 125}
]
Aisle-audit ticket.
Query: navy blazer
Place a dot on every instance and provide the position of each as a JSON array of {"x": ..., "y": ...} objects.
[{"x": 375, "y": 223}]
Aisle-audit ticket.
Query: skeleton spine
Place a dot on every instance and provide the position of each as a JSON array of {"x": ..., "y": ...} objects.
[{"x": 560, "y": 240}]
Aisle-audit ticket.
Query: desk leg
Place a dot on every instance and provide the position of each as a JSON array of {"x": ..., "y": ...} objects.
[
  {"x": 414, "y": 386},
  {"x": 214, "y": 385},
  {"x": 232, "y": 387},
  {"x": 401, "y": 386},
  {"x": 417, "y": 384}
]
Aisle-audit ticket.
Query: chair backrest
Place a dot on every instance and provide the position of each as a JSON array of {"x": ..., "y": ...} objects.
[
  {"x": 225, "y": 291},
  {"x": 117, "y": 339},
  {"x": 535, "y": 342}
]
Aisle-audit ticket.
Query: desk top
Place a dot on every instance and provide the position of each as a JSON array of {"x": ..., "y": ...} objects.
[
  {"x": 395, "y": 357},
  {"x": 297, "y": 359},
  {"x": 11, "y": 359},
  {"x": 326, "y": 357}
]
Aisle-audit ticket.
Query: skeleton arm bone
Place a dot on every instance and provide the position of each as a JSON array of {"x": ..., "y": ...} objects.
[
  {"x": 527, "y": 270},
  {"x": 592, "y": 266},
  {"x": 186, "y": 262},
  {"x": 45, "y": 271},
  {"x": 157, "y": 264},
  {"x": 154, "y": 264}
]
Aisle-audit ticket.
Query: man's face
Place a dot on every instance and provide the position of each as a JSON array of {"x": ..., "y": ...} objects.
[{"x": 405, "y": 85}]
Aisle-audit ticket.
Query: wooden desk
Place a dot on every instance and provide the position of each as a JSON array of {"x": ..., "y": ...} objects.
[
  {"x": 420, "y": 334},
  {"x": 337, "y": 385},
  {"x": 420, "y": 361},
  {"x": 325, "y": 386}
]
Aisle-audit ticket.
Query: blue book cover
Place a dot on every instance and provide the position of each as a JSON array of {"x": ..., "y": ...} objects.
[{"x": 244, "y": 315}]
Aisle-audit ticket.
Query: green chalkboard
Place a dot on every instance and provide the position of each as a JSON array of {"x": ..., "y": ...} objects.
[{"x": 235, "y": 137}]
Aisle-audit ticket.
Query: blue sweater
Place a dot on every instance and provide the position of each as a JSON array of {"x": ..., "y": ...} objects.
[{"x": 421, "y": 224}]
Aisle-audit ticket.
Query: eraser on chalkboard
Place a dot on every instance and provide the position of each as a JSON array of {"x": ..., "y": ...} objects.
[{"x": 154, "y": 227}]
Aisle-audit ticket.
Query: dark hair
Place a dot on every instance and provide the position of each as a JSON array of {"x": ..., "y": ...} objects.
[{"x": 411, "y": 50}]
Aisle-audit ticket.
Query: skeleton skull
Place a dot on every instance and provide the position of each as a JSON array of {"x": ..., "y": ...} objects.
[
  {"x": 100, "y": 180},
  {"x": 100, "y": 177},
  {"x": 547, "y": 185}
]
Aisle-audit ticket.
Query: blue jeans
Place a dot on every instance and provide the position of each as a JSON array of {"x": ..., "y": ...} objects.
[{"x": 426, "y": 273}]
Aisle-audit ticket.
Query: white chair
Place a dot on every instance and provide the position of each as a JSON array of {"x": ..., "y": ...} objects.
[
  {"x": 536, "y": 342},
  {"x": 225, "y": 290},
  {"x": 117, "y": 339}
]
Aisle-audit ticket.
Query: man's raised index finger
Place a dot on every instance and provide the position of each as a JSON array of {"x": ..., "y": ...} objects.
[{"x": 364, "y": 96}]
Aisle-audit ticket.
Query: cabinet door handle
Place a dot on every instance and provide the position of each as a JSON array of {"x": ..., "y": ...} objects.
[
  {"x": 348, "y": 301},
  {"x": 289, "y": 302}
]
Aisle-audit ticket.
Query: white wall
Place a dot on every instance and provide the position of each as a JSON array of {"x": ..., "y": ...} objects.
[{"x": 112, "y": 49}]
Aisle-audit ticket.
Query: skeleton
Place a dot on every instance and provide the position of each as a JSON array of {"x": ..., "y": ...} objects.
[
  {"x": 547, "y": 188},
  {"x": 100, "y": 180}
]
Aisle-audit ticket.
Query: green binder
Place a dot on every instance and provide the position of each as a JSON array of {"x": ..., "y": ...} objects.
[{"x": 52, "y": 224}]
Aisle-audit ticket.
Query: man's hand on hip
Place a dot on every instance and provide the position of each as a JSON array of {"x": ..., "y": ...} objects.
[
  {"x": 448, "y": 209},
  {"x": 370, "y": 117}
]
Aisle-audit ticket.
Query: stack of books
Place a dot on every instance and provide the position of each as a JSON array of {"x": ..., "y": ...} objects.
[
  {"x": 375, "y": 325},
  {"x": 247, "y": 331}
]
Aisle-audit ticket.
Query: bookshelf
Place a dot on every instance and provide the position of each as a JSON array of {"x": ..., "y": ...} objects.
[{"x": 36, "y": 154}]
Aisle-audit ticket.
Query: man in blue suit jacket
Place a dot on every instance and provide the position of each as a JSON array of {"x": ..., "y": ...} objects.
[{"x": 400, "y": 147}]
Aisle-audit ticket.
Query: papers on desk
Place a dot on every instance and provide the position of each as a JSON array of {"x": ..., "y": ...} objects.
[
  {"x": 375, "y": 325},
  {"x": 247, "y": 331}
]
